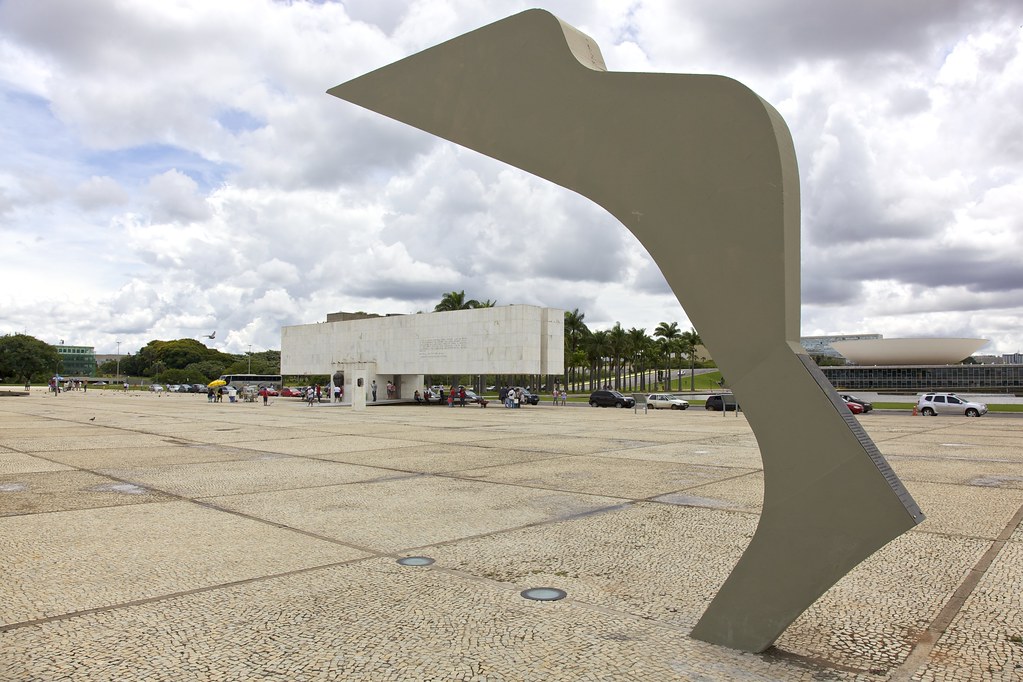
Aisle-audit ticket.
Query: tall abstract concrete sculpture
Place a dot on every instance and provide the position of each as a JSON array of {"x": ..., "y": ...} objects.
[{"x": 703, "y": 172}]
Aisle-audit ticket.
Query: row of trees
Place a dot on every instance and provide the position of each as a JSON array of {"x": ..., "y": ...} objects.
[
  {"x": 623, "y": 357},
  {"x": 26, "y": 358},
  {"x": 189, "y": 361}
]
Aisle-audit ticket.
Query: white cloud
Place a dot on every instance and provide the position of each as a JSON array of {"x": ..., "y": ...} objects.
[
  {"x": 100, "y": 192},
  {"x": 222, "y": 188},
  {"x": 176, "y": 198}
]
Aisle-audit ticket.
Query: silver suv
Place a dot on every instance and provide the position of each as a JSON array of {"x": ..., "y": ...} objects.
[{"x": 931, "y": 404}]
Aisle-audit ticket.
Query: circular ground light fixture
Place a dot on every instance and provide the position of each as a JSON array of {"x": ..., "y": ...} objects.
[
  {"x": 415, "y": 561},
  {"x": 544, "y": 594}
]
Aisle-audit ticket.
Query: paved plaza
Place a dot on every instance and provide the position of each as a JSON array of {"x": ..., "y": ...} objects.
[{"x": 158, "y": 538}]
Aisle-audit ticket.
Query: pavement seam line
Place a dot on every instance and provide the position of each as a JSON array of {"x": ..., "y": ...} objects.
[
  {"x": 173, "y": 595},
  {"x": 925, "y": 644}
]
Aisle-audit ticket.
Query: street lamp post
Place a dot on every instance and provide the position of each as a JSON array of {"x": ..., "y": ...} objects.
[
  {"x": 117, "y": 380},
  {"x": 250, "y": 358}
]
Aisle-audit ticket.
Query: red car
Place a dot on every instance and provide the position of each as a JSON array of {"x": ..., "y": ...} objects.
[
  {"x": 855, "y": 408},
  {"x": 289, "y": 392}
]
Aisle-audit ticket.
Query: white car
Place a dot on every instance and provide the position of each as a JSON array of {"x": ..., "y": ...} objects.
[
  {"x": 657, "y": 401},
  {"x": 156, "y": 388},
  {"x": 931, "y": 404}
]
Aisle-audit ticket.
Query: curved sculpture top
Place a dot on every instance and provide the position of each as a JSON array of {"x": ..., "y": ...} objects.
[{"x": 703, "y": 172}]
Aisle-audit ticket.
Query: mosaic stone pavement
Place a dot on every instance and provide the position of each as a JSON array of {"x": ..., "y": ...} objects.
[{"x": 148, "y": 537}]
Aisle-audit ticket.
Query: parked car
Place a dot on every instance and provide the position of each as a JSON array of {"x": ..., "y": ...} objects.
[
  {"x": 867, "y": 407},
  {"x": 931, "y": 404},
  {"x": 605, "y": 398},
  {"x": 292, "y": 392},
  {"x": 722, "y": 401},
  {"x": 271, "y": 391},
  {"x": 855, "y": 408},
  {"x": 156, "y": 388},
  {"x": 665, "y": 401},
  {"x": 174, "y": 388},
  {"x": 528, "y": 396},
  {"x": 199, "y": 388},
  {"x": 473, "y": 397}
]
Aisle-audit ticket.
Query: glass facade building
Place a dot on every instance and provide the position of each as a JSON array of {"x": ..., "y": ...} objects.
[
  {"x": 993, "y": 378},
  {"x": 77, "y": 361}
]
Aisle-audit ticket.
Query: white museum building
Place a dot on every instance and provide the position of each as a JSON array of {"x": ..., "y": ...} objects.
[{"x": 403, "y": 349}]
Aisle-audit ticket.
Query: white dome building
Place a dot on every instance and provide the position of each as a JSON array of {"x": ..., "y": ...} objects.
[{"x": 908, "y": 351}]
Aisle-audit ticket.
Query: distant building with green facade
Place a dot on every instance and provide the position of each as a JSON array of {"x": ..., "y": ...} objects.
[{"x": 78, "y": 361}]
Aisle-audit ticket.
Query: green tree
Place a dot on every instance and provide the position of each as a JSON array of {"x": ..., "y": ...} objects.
[
  {"x": 667, "y": 333},
  {"x": 177, "y": 376},
  {"x": 26, "y": 358},
  {"x": 618, "y": 345},
  {"x": 576, "y": 333},
  {"x": 639, "y": 345},
  {"x": 177, "y": 354},
  {"x": 691, "y": 339},
  {"x": 205, "y": 371},
  {"x": 266, "y": 362},
  {"x": 596, "y": 347},
  {"x": 455, "y": 300}
]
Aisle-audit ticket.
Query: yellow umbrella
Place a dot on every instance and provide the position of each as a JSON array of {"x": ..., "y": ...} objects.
[{"x": 217, "y": 382}]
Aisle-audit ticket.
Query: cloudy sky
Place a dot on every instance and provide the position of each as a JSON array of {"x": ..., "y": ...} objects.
[{"x": 168, "y": 169}]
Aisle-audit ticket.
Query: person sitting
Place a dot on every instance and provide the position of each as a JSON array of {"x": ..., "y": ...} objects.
[{"x": 418, "y": 398}]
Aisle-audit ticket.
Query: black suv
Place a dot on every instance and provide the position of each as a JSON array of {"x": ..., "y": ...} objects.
[
  {"x": 610, "y": 399},
  {"x": 528, "y": 396},
  {"x": 721, "y": 402}
]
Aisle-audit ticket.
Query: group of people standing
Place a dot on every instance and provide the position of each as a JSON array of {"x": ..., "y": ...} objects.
[
  {"x": 512, "y": 397},
  {"x": 69, "y": 385}
]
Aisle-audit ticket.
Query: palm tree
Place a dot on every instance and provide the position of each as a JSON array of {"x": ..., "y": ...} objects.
[
  {"x": 455, "y": 300},
  {"x": 667, "y": 333},
  {"x": 640, "y": 344},
  {"x": 576, "y": 333},
  {"x": 692, "y": 340},
  {"x": 618, "y": 344},
  {"x": 596, "y": 346}
]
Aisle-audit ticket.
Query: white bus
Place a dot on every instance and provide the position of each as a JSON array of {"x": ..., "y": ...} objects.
[{"x": 240, "y": 381}]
